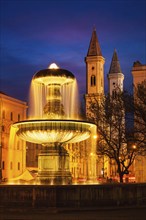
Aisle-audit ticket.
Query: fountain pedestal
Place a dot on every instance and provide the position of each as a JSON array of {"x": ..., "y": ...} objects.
[{"x": 53, "y": 166}]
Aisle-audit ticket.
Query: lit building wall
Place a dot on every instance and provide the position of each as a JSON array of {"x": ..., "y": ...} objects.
[
  {"x": 139, "y": 75},
  {"x": 78, "y": 160},
  {"x": 12, "y": 157}
]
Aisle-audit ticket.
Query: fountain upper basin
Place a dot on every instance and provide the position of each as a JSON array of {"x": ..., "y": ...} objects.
[
  {"x": 53, "y": 131},
  {"x": 51, "y": 76}
]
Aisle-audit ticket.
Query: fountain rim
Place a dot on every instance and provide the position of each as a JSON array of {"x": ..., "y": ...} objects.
[{"x": 53, "y": 120}]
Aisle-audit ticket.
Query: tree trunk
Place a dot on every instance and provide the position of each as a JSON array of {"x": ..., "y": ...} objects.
[
  {"x": 120, "y": 173},
  {"x": 121, "y": 177}
]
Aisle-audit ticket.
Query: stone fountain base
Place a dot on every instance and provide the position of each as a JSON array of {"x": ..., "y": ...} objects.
[{"x": 53, "y": 166}]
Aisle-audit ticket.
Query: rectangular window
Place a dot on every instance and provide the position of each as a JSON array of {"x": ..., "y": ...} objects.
[
  {"x": 18, "y": 145},
  {"x": 3, "y": 128},
  {"x": 11, "y": 165},
  {"x": 3, "y": 114},
  {"x": 11, "y": 116},
  {"x": 18, "y": 117},
  {"x": 3, "y": 142},
  {"x": 18, "y": 165},
  {"x": 3, "y": 165}
]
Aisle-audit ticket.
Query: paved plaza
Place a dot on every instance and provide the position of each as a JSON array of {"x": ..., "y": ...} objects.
[{"x": 101, "y": 214}]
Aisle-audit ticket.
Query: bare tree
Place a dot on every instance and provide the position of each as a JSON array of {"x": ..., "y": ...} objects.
[
  {"x": 139, "y": 109},
  {"x": 115, "y": 140}
]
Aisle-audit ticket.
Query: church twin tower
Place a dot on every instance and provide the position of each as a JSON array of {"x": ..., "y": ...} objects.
[{"x": 95, "y": 71}]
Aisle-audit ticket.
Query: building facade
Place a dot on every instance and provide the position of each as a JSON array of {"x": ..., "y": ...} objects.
[
  {"x": 12, "y": 150},
  {"x": 139, "y": 75}
]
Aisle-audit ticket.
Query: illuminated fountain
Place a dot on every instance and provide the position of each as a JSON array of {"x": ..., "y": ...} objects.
[{"x": 53, "y": 124}]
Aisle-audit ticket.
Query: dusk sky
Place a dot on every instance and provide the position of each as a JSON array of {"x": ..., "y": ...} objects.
[{"x": 36, "y": 33}]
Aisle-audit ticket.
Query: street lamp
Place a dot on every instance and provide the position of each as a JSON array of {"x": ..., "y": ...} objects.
[{"x": 134, "y": 146}]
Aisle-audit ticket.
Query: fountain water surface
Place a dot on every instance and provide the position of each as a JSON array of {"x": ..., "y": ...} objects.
[{"x": 53, "y": 122}]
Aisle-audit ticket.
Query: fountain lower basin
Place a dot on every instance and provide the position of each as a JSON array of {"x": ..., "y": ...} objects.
[
  {"x": 53, "y": 160},
  {"x": 53, "y": 131}
]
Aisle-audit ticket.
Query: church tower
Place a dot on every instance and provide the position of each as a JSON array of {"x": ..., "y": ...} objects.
[
  {"x": 94, "y": 89},
  {"x": 115, "y": 76},
  {"x": 94, "y": 70}
]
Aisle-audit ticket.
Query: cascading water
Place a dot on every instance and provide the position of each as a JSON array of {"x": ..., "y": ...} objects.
[{"x": 65, "y": 93}]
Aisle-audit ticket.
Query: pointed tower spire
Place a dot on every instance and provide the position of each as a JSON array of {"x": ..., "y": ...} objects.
[
  {"x": 94, "y": 47},
  {"x": 115, "y": 65},
  {"x": 94, "y": 71},
  {"x": 115, "y": 76}
]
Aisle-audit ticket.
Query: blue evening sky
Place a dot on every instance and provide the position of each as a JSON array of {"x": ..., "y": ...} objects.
[{"x": 35, "y": 33}]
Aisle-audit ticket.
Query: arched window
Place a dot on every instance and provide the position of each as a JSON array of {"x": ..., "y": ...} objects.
[{"x": 93, "y": 80}]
